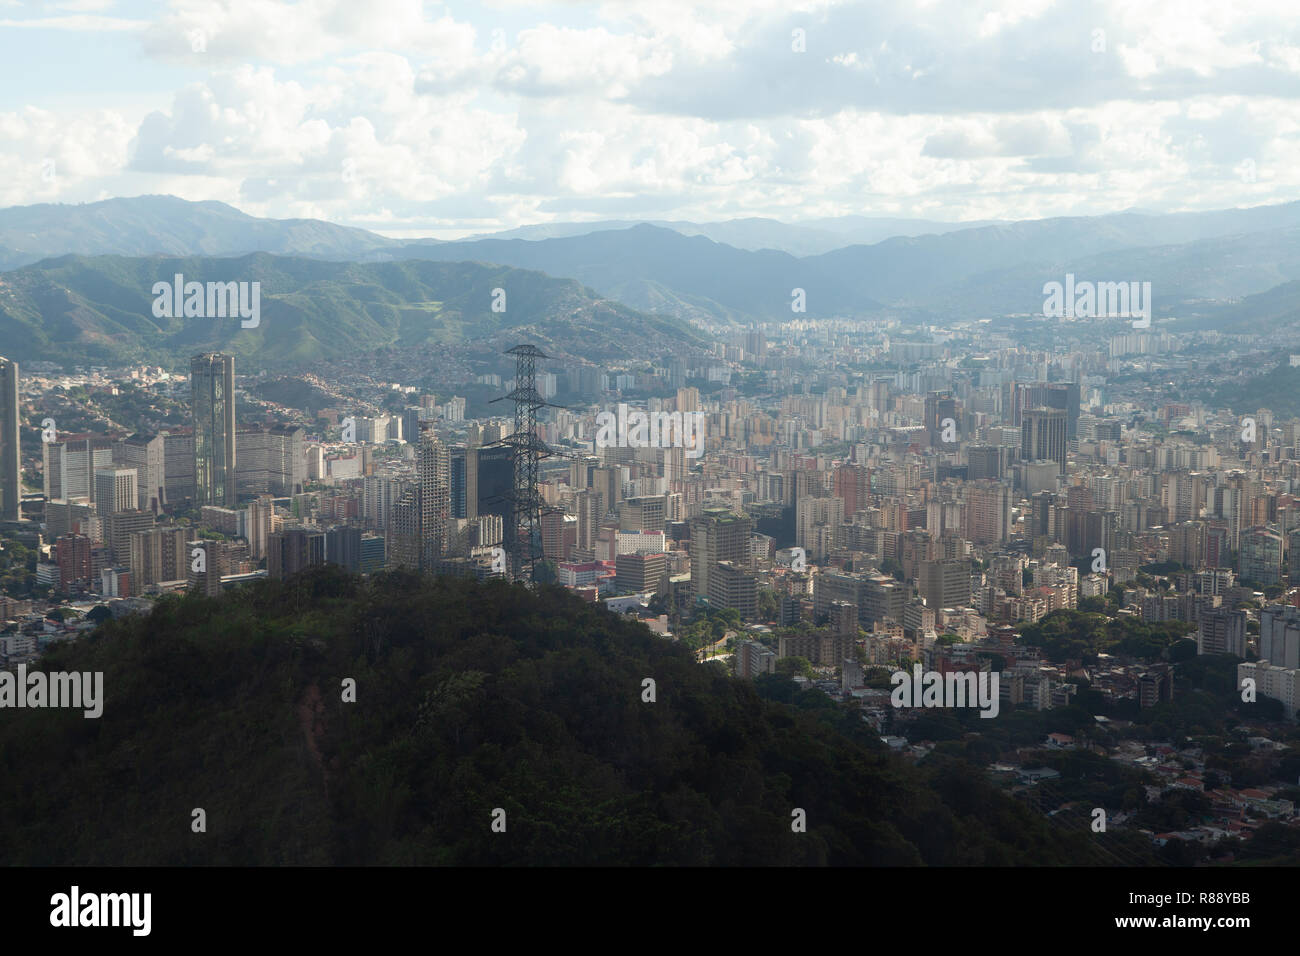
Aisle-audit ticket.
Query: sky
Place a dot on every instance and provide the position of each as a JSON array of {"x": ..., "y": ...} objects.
[{"x": 432, "y": 119}]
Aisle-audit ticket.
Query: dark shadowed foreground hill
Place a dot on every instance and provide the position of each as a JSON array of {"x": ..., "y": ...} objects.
[{"x": 469, "y": 697}]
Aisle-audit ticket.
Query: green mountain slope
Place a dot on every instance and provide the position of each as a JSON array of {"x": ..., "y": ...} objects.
[
  {"x": 1277, "y": 389},
  {"x": 100, "y": 310},
  {"x": 470, "y": 696}
]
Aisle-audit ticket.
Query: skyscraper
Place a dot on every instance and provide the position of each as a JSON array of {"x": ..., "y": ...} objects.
[
  {"x": 490, "y": 479},
  {"x": 1043, "y": 436},
  {"x": 11, "y": 489},
  {"x": 1061, "y": 395},
  {"x": 212, "y": 384},
  {"x": 146, "y": 453},
  {"x": 717, "y": 535},
  {"x": 945, "y": 583},
  {"x": 939, "y": 408},
  {"x": 1260, "y": 557},
  {"x": 115, "y": 490},
  {"x": 987, "y": 512},
  {"x": 433, "y": 471}
]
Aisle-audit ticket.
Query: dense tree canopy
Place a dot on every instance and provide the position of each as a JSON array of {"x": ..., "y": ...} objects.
[{"x": 470, "y": 697}]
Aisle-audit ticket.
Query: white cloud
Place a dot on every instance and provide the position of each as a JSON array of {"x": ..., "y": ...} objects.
[{"x": 401, "y": 113}]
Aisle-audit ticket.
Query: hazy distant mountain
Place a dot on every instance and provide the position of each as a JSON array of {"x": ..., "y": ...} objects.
[
  {"x": 165, "y": 225},
  {"x": 1276, "y": 388},
  {"x": 80, "y": 310},
  {"x": 1216, "y": 248},
  {"x": 741, "y": 270},
  {"x": 1277, "y": 308},
  {"x": 807, "y": 238},
  {"x": 811, "y": 237},
  {"x": 994, "y": 270},
  {"x": 1221, "y": 268},
  {"x": 660, "y": 270}
]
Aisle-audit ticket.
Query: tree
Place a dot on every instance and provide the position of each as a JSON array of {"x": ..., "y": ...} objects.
[
  {"x": 795, "y": 666},
  {"x": 99, "y": 613}
]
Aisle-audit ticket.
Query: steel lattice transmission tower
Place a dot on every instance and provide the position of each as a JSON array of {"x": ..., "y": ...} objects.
[{"x": 524, "y": 540}]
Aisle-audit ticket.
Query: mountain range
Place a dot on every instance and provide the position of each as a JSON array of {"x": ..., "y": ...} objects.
[
  {"x": 621, "y": 274},
  {"x": 99, "y": 310},
  {"x": 165, "y": 225}
]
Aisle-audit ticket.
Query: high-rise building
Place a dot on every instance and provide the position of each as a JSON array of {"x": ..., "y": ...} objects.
[
  {"x": 608, "y": 483},
  {"x": 718, "y": 534},
  {"x": 257, "y": 521},
  {"x": 986, "y": 461},
  {"x": 158, "y": 554},
  {"x": 71, "y": 463},
  {"x": 289, "y": 552},
  {"x": 1279, "y": 683},
  {"x": 459, "y": 478},
  {"x": 987, "y": 512},
  {"x": 115, "y": 491},
  {"x": 11, "y": 489},
  {"x": 433, "y": 472},
  {"x": 1279, "y": 635},
  {"x": 753, "y": 658},
  {"x": 64, "y": 516},
  {"x": 178, "y": 465},
  {"x": 372, "y": 553},
  {"x": 343, "y": 547},
  {"x": 1064, "y": 396},
  {"x": 1043, "y": 436},
  {"x": 1156, "y": 686},
  {"x": 492, "y": 483},
  {"x": 852, "y": 485},
  {"x": 818, "y": 525},
  {"x": 205, "y": 567},
  {"x": 403, "y": 543},
  {"x": 945, "y": 583},
  {"x": 1221, "y": 631},
  {"x": 559, "y": 533},
  {"x": 940, "y": 407},
  {"x": 72, "y": 555},
  {"x": 271, "y": 460},
  {"x": 212, "y": 384},
  {"x": 586, "y": 505},
  {"x": 732, "y": 586},
  {"x": 642, "y": 514},
  {"x": 1260, "y": 557},
  {"x": 118, "y": 528},
  {"x": 642, "y": 571},
  {"x": 146, "y": 453}
]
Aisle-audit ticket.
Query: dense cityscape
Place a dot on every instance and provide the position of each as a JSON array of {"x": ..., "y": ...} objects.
[
  {"x": 853, "y": 501},
  {"x": 462, "y": 460}
]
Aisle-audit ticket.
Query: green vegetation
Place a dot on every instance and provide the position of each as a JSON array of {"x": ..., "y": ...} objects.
[
  {"x": 1066, "y": 634},
  {"x": 1277, "y": 389},
  {"x": 99, "y": 310},
  {"x": 17, "y": 567},
  {"x": 470, "y": 696}
]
